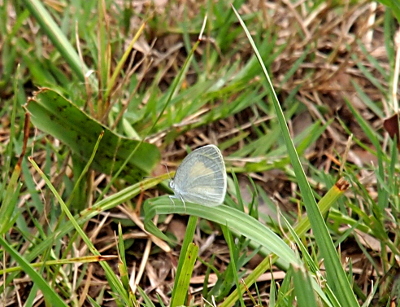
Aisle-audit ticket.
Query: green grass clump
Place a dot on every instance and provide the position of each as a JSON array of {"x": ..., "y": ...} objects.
[{"x": 98, "y": 96}]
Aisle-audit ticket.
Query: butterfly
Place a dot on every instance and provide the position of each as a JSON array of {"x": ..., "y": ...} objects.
[{"x": 201, "y": 177}]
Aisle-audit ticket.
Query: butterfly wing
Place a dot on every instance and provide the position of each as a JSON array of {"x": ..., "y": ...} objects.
[{"x": 201, "y": 178}]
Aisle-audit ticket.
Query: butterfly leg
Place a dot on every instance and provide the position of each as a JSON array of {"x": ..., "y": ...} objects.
[
  {"x": 171, "y": 197},
  {"x": 184, "y": 204}
]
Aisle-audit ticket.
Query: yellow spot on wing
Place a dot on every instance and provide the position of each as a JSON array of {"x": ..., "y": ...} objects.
[{"x": 198, "y": 169}]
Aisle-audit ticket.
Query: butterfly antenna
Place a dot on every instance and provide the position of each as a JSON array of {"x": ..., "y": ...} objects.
[{"x": 166, "y": 167}]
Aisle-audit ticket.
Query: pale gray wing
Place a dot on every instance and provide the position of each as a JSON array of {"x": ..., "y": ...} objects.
[{"x": 201, "y": 178}]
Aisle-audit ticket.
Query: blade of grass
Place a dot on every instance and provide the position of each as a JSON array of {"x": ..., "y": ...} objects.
[
  {"x": 239, "y": 223},
  {"x": 394, "y": 5},
  {"x": 59, "y": 40},
  {"x": 182, "y": 280},
  {"x": 303, "y": 288},
  {"x": 101, "y": 206},
  {"x": 121, "y": 62},
  {"x": 114, "y": 282},
  {"x": 336, "y": 276},
  {"x": 56, "y": 115},
  {"x": 49, "y": 293}
]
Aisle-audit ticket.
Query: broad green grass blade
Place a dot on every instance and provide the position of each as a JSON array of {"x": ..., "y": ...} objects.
[
  {"x": 53, "y": 114},
  {"x": 179, "y": 292},
  {"x": 335, "y": 274},
  {"x": 189, "y": 235},
  {"x": 237, "y": 221},
  {"x": 183, "y": 278}
]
